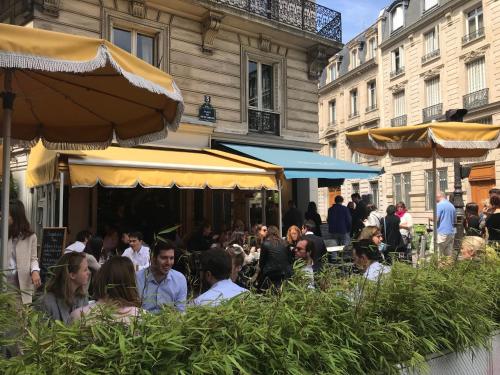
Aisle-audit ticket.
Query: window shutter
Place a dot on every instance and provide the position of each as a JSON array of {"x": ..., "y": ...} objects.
[
  {"x": 476, "y": 75},
  {"x": 393, "y": 61},
  {"x": 433, "y": 95},
  {"x": 401, "y": 57}
]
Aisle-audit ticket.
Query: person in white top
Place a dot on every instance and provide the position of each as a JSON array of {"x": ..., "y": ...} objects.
[
  {"x": 406, "y": 223},
  {"x": 137, "y": 252},
  {"x": 373, "y": 219},
  {"x": 366, "y": 256},
  {"x": 216, "y": 266},
  {"x": 81, "y": 241}
]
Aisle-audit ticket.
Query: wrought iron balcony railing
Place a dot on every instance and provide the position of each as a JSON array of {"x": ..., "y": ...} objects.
[
  {"x": 431, "y": 55},
  {"x": 399, "y": 121},
  {"x": 473, "y": 35},
  {"x": 476, "y": 99},
  {"x": 263, "y": 122},
  {"x": 433, "y": 112},
  {"x": 397, "y": 71},
  {"x": 371, "y": 108},
  {"x": 302, "y": 14}
]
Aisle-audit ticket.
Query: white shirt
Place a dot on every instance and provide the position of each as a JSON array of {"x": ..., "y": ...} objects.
[
  {"x": 221, "y": 291},
  {"x": 376, "y": 270},
  {"x": 76, "y": 246},
  {"x": 407, "y": 221},
  {"x": 373, "y": 220},
  {"x": 139, "y": 258}
]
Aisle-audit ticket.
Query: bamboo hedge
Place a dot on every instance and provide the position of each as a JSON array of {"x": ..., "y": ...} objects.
[{"x": 346, "y": 327}]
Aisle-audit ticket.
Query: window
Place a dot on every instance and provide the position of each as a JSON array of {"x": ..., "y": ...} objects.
[
  {"x": 136, "y": 43},
  {"x": 333, "y": 149},
  {"x": 488, "y": 120},
  {"x": 476, "y": 75},
  {"x": 355, "y": 188},
  {"x": 475, "y": 21},
  {"x": 442, "y": 177},
  {"x": 399, "y": 107},
  {"x": 372, "y": 48},
  {"x": 431, "y": 41},
  {"x": 402, "y": 187},
  {"x": 372, "y": 96},
  {"x": 432, "y": 92},
  {"x": 428, "y": 4},
  {"x": 354, "y": 59},
  {"x": 332, "y": 72},
  {"x": 333, "y": 111},
  {"x": 355, "y": 157},
  {"x": 374, "y": 192},
  {"x": 397, "y": 18},
  {"x": 397, "y": 61},
  {"x": 354, "y": 102}
]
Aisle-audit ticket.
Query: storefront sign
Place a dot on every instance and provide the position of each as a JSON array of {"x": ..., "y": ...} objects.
[
  {"x": 207, "y": 111},
  {"x": 53, "y": 245}
]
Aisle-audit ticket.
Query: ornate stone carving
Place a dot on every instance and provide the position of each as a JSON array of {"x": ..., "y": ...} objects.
[
  {"x": 210, "y": 28},
  {"x": 264, "y": 43},
  {"x": 398, "y": 87},
  {"x": 317, "y": 60},
  {"x": 431, "y": 73},
  {"x": 475, "y": 54},
  {"x": 137, "y": 8},
  {"x": 51, "y": 7}
]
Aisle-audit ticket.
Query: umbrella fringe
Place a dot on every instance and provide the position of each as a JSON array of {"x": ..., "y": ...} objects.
[{"x": 76, "y": 146}]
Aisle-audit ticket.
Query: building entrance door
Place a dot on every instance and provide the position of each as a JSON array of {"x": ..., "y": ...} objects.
[
  {"x": 332, "y": 193},
  {"x": 481, "y": 179}
]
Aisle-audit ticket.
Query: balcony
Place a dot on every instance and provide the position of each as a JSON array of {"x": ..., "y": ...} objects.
[
  {"x": 431, "y": 56},
  {"x": 399, "y": 121},
  {"x": 432, "y": 113},
  {"x": 476, "y": 99},
  {"x": 371, "y": 108},
  {"x": 263, "y": 122},
  {"x": 399, "y": 71},
  {"x": 473, "y": 36},
  {"x": 302, "y": 14}
]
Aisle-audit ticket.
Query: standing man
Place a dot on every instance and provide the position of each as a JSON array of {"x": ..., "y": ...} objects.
[
  {"x": 292, "y": 217},
  {"x": 359, "y": 215},
  {"x": 446, "y": 217},
  {"x": 137, "y": 252},
  {"x": 81, "y": 241},
  {"x": 159, "y": 284},
  {"x": 216, "y": 267},
  {"x": 339, "y": 222},
  {"x": 319, "y": 244}
]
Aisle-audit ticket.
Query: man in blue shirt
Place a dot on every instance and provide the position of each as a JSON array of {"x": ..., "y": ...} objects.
[
  {"x": 339, "y": 222},
  {"x": 159, "y": 284},
  {"x": 446, "y": 217},
  {"x": 216, "y": 266}
]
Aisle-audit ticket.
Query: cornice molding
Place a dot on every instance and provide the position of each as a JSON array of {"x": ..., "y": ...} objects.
[
  {"x": 475, "y": 54},
  {"x": 363, "y": 68},
  {"x": 398, "y": 87},
  {"x": 431, "y": 73}
]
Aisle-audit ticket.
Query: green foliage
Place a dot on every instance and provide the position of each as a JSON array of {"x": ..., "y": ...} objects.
[{"x": 345, "y": 327}]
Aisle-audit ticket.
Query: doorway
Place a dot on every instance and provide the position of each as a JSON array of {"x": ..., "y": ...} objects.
[{"x": 481, "y": 179}]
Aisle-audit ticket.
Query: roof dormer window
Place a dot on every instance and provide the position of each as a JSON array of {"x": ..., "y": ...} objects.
[{"x": 397, "y": 17}]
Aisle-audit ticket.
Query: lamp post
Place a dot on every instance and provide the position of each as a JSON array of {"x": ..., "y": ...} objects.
[{"x": 460, "y": 172}]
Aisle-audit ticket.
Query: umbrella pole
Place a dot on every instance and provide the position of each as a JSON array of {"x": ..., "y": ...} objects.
[
  {"x": 8, "y": 103},
  {"x": 280, "y": 223},
  {"x": 434, "y": 210}
]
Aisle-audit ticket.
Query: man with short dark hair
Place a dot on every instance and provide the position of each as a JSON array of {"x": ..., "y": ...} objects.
[
  {"x": 216, "y": 267},
  {"x": 137, "y": 252},
  {"x": 81, "y": 241},
  {"x": 493, "y": 192},
  {"x": 319, "y": 244},
  {"x": 339, "y": 222},
  {"x": 359, "y": 215},
  {"x": 304, "y": 251},
  {"x": 159, "y": 284}
]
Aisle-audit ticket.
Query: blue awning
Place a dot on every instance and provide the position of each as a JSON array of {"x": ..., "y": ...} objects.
[{"x": 304, "y": 164}]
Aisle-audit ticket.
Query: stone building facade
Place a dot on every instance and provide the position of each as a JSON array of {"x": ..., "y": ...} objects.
[{"x": 431, "y": 56}]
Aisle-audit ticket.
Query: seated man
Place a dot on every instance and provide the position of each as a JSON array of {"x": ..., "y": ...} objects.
[
  {"x": 159, "y": 284},
  {"x": 216, "y": 267},
  {"x": 137, "y": 252},
  {"x": 81, "y": 241},
  {"x": 304, "y": 251}
]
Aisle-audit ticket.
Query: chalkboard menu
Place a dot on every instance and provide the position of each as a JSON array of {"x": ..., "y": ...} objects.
[{"x": 53, "y": 245}]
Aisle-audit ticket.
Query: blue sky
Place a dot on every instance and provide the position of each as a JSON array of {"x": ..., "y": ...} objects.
[{"x": 357, "y": 15}]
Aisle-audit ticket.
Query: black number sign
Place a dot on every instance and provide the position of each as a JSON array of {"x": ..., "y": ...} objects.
[{"x": 53, "y": 245}]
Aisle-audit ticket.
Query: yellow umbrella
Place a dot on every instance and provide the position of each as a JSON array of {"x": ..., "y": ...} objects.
[
  {"x": 74, "y": 92},
  {"x": 446, "y": 139}
]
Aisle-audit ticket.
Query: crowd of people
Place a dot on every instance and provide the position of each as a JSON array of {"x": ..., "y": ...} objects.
[{"x": 130, "y": 278}]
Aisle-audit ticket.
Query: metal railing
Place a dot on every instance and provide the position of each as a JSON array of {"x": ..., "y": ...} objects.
[
  {"x": 399, "y": 121},
  {"x": 371, "y": 108},
  {"x": 476, "y": 99},
  {"x": 433, "y": 112},
  {"x": 263, "y": 122},
  {"x": 302, "y": 14},
  {"x": 473, "y": 35},
  {"x": 431, "y": 55},
  {"x": 398, "y": 71}
]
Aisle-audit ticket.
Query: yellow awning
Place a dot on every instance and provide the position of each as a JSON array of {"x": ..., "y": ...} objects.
[{"x": 152, "y": 168}]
